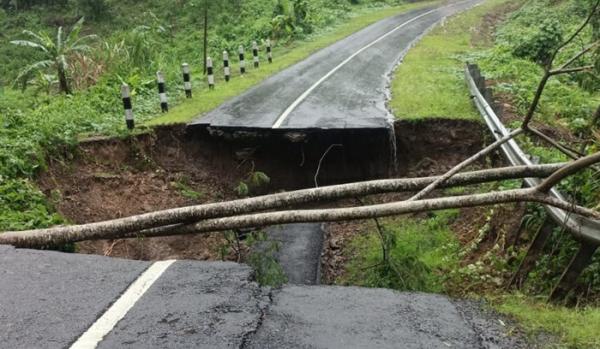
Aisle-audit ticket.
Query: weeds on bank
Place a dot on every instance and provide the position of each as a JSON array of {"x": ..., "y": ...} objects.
[
  {"x": 255, "y": 249},
  {"x": 430, "y": 81}
]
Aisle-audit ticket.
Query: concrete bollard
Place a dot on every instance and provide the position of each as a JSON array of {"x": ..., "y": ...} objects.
[
  {"x": 242, "y": 60},
  {"x": 127, "y": 106},
  {"x": 187, "y": 84},
  {"x": 210, "y": 73},
  {"x": 226, "y": 68},
  {"x": 255, "y": 54},
  {"x": 162, "y": 92},
  {"x": 269, "y": 53}
]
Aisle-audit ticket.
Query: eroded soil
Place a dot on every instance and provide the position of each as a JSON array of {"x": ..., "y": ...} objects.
[
  {"x": 113, "y": 178},
  {"x": 116, "y": 178}
]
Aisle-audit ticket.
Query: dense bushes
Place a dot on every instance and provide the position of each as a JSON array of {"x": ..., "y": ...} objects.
[{"x": 525, "y": 43}]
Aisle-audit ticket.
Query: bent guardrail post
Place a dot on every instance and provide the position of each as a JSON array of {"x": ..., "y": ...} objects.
[{"x": 584, "y": 230}]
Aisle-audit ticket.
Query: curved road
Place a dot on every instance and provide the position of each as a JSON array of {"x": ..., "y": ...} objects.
[
  {"x": 55, "y": 300},
  {"x": 343, "y": 86},
  {"x": 51, "y": 300}
]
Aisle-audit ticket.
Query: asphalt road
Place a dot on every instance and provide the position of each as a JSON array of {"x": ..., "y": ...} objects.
[
  {"x": 299, "y": 251},
  {"x": 53, "y": 300},
  {"x": 343, "y": 86},
  {"x": 49, "y": 300}
]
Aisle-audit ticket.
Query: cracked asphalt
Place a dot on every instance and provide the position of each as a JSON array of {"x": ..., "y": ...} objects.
[{"x": 48, "y": 299}]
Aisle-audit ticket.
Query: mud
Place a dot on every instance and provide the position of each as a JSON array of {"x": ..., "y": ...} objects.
[
  {"x": 173, "y": 167},
  {"x": 115, "y": 178}
]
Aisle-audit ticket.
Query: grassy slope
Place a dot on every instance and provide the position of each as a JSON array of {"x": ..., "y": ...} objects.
[
  {"x": 206, "y": 100},
  {"x": 574, "y": 328},
  {"x": 422, "y": 250},
  {"x": 436, "y": 63}
]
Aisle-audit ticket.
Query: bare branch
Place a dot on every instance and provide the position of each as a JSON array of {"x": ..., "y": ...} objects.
[
  {"x": 573, "y": 154},
  {"x": 548, "y": 72},
  {"x": 577, "y": 32},
  {"x": 571, "y": 70},
  {"x": 373, "y": 211},
  {"x": 536, "y": 100},
  {"x": 465, "y": 163},
  {"x": 578, "y": 55},
  {"x": 568, "y": 170}
]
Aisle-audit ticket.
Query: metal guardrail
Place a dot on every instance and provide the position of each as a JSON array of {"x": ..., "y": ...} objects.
[{"x": 581, "y": 228}]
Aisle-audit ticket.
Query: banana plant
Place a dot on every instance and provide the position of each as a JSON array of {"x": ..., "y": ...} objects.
[{"x": 56, "y": 52}]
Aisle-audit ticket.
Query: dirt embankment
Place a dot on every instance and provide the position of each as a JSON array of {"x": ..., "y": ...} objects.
[
  {"x": 169, "y": 168},
  {"x": 117, "y": 178}
]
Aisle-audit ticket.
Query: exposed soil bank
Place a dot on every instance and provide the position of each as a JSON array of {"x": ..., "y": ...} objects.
[
  {"x": 429, "y": 147},
  {"x": 173, "y": 167}
]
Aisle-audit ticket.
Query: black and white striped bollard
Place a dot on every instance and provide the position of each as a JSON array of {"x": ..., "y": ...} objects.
[
  {"x": 242, "y": 61},
  {"x": 255, "y": 54},
  {"x": 226, "y": 68},
  {"x": 127, "y": 106},
  {"x": 269, "y": 53},
  {"x": 210, "y": 73},
  {"x": 187, "y": 83},
  {"x": 162, "y": 92}
]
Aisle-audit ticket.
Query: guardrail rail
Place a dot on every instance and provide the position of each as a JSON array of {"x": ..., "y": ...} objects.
[{"x": 585, "y": 230}]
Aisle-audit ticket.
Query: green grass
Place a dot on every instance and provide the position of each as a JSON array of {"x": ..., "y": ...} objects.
[
  {"x": 430, "y": 82},
  {"x": 420, "y": 250},
  {"x": 205, "y": 100},
  {"x": 573, "y": 328}
]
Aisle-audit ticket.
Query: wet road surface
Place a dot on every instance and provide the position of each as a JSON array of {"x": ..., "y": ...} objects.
[
  {"x": 343, "y": 86},
  {"x": 50, "y": 300}
]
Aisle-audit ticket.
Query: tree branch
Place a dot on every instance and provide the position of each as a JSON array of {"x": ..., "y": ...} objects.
[
  {"x": 536, "y": 99},
  {"x": 465, "y": 163},
  {"x": 374, "y": 211},
  {"x": 573, "y": 154},
  {"x": 176, "y": 218},
  {"x": 577, "y": 32},
  {"x": 568, "y": 170},
  {"x": 548, "y": 72},
  {"x": 571, "y": 70},
  {"x": 578, "y": 55}
]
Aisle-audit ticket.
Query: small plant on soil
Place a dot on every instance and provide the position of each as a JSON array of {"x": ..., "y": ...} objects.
[
  {"x": 253, "y": 183},
  {"x": 417, "y": 251},
  {"x": 186, "y": 191},
  {"x": 262, "y": 259},
  {"x": 255, "y": 249}
]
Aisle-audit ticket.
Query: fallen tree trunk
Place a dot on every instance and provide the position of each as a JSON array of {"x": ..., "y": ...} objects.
[
  {"x": 260, "y": 220},
  {"x": 182, "y": 218}
]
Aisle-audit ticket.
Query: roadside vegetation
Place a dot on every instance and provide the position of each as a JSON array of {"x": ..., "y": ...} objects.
[
  {"x": 430, "y": 81},
  {"x": 60, "y": 75},
  {"x": 65, "y": 84},
  {"x": 511, "y": 40}
]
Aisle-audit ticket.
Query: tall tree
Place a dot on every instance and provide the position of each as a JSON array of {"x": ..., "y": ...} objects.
[{"x": 56, "y": 52}]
